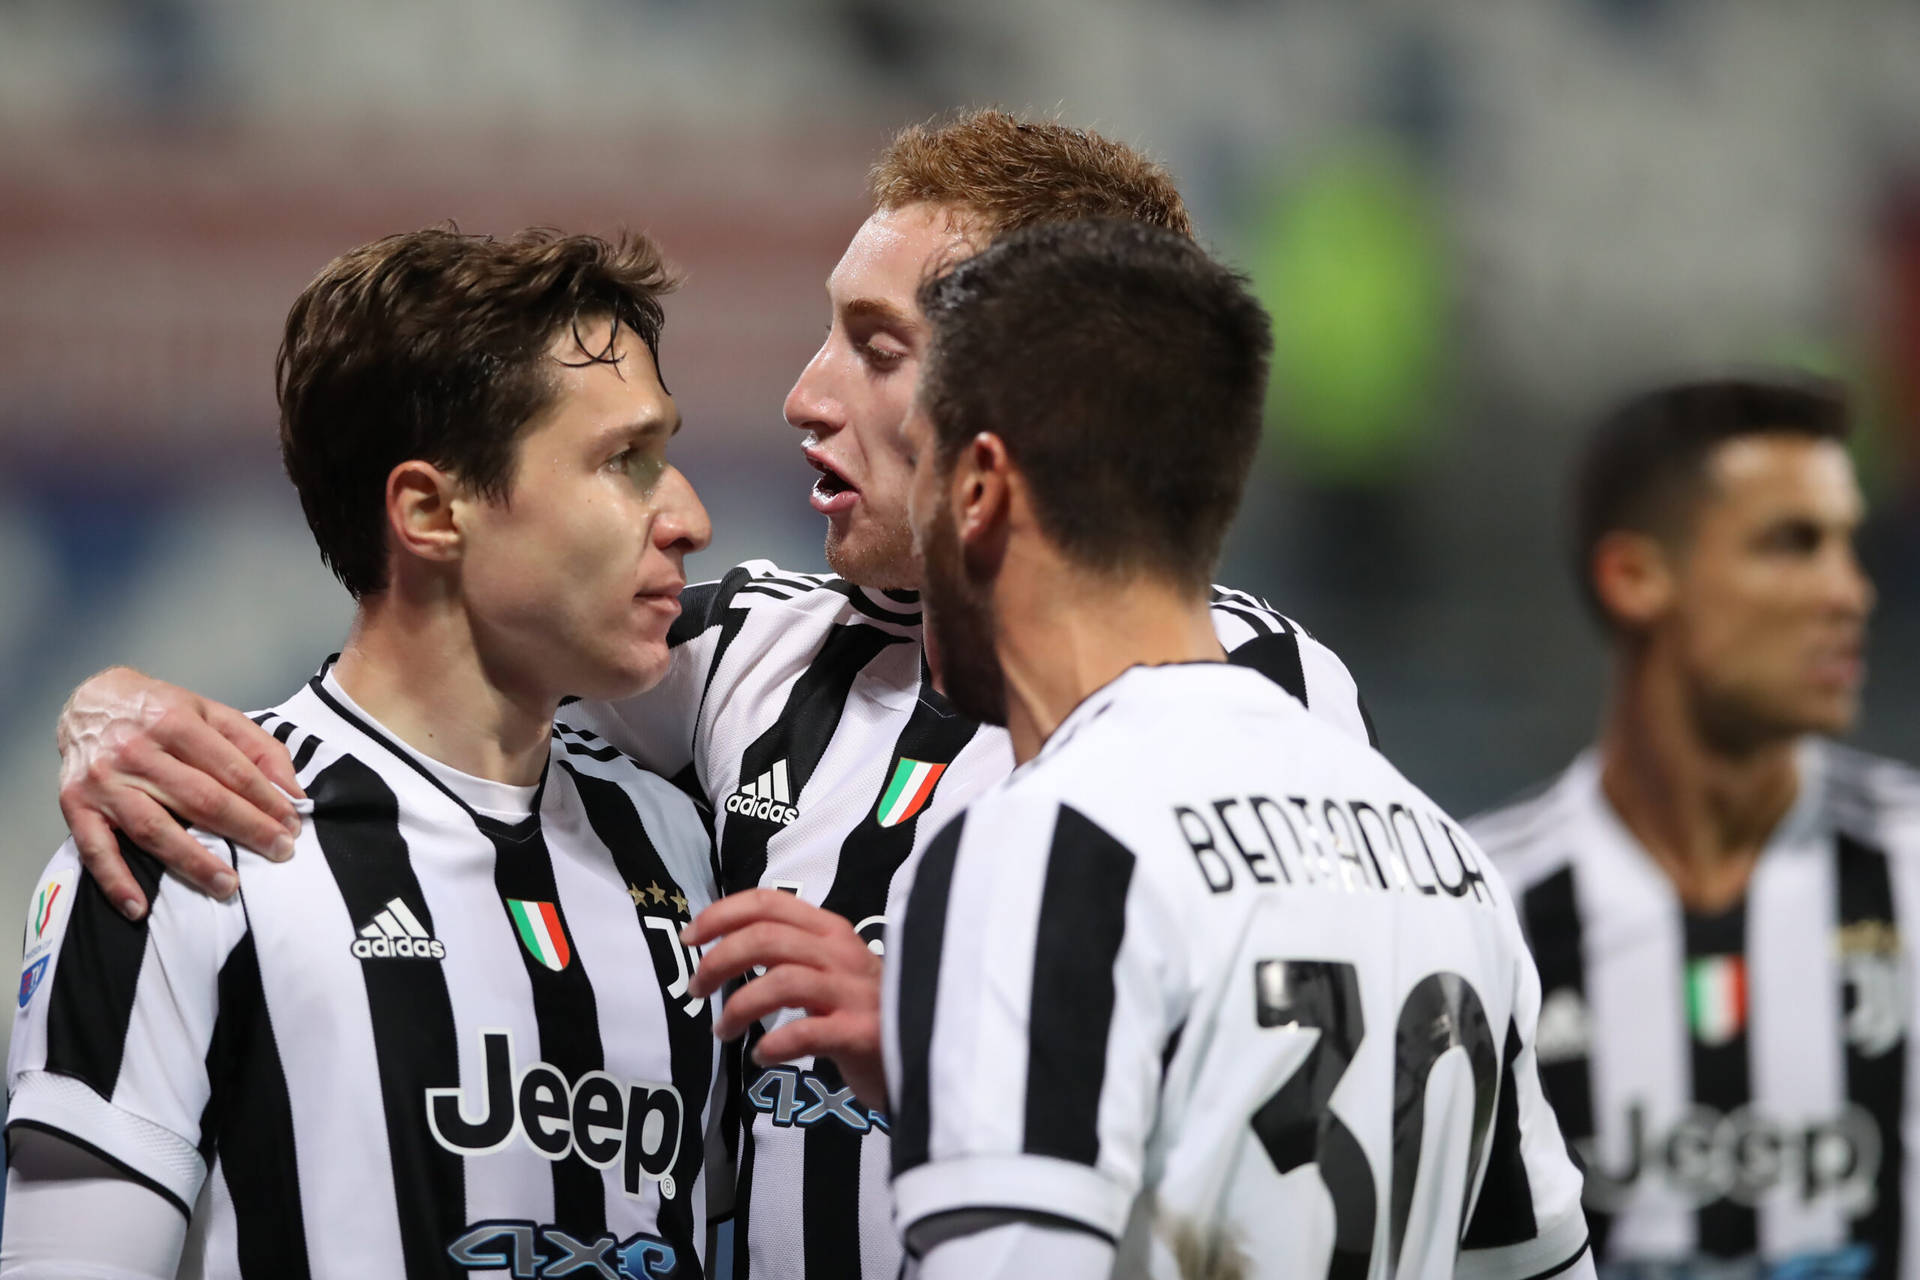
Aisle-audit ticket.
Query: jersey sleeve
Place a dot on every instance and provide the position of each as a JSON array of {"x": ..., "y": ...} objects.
[
  {"x": 1527, "y": 1221},
  {"x": 114, "y": 1019},
  {"x": 1026, "y": 1021},
  {"x": 659, "y": 727},
  {"x": 1255, "y": 635}
]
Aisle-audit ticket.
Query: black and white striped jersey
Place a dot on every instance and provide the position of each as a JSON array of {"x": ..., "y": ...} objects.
[
  {"x": 446, "y": 1038},
  {"x": 1739, "y": 1086},
  {"x": 799, "y": 706},
  {"x": 1213, "y": 981}
]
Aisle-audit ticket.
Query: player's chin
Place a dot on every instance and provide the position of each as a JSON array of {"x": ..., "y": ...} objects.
[
  {"x": 1831, "y": 712},
  {"x": 873, "y": 556},
  {"x": 631, "y": 670}
]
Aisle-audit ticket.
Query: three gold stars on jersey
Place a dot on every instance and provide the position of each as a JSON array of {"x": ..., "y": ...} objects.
[{"x": 658, "y": 896}]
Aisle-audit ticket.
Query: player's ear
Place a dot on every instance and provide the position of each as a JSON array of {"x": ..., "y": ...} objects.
[
  {"x": 1633, "y": 577},
  {"x": 982, "y": 495},
  {"x": 421, "y": 502}
]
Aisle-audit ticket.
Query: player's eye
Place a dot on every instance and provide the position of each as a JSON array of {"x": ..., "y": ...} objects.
[
  {"x": 642, "y": 467},
  {"x": 1792, "y": 537},
  {"x": 883, "y": 358}
]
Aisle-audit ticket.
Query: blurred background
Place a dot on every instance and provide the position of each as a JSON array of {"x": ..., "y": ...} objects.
[{"x": 1475, "y": 223}]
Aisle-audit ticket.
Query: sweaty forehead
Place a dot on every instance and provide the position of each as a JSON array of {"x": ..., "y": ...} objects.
[
  {"x": 1767, "y": 473},
  {"x": 895, "y": 249}
]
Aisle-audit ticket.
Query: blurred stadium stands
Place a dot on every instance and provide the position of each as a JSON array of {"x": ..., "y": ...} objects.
[{"x": 1586, "y": 194}]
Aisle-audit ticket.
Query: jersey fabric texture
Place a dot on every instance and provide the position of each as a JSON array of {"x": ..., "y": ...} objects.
[
  {"x": 432, "y": 1043},
  {"x": 799, "y": 707},
  {"x": 1738, "y": 1085},
  {"x": 1206, "y": 969}
]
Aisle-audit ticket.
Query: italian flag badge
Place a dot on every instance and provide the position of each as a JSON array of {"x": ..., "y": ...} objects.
[
  {"x": 1717, "y": 998},
  {"x": 909, "y": 791},
  {"x": 540, "y": 929}
]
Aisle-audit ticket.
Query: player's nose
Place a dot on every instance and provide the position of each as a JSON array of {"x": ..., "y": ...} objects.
[
  {"x": 812, "y": 405},
  {"x": 1849, "y": 588},
  {"x": 682, "y": 522}
]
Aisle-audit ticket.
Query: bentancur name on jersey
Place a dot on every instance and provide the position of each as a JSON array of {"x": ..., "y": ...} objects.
[{"x": 1345, "y": 844}]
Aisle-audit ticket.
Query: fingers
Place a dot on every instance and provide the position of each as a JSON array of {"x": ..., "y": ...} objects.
[
  {"x": 793, "y": 986},
  {"x": 839, "y": 1036},
  {"x": 204, "y": 778},
  {"x": 737, "y": 910},
  {"x": 272, "y": 767},
  {"x": 100, "y": 854},
  {"x": 766, "y": 944},
  {"x": 852, "y": 1040},
  {"x": 154, "y": 829}
]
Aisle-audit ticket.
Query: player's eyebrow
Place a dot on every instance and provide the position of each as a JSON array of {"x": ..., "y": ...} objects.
[
  {"x": 649, "y": 425},
  {"x": 881, "y": 312}
]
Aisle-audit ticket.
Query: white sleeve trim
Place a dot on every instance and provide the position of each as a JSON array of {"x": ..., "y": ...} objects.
[
  {"x": 1039, "y": 1184},
  {"x": 70, "y": 1107},
  {"x": 1557, "y": 1247}
]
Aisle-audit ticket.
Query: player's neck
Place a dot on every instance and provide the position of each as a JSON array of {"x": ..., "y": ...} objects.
[
  {"x": 1064, "y": 635},
  {"x": 417, "y": 671},
  {"x": 1702, "y": 810}
]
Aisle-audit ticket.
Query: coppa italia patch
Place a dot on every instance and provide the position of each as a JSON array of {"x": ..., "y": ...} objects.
[
  {"x": 47, "y": 912},
  {"x": 46, "y": 919}
]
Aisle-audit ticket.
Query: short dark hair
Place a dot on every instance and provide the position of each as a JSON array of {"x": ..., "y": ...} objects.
[
  {"x": 1125, "y": 371},
  {"x": 431, "y": 345},
  {"x": 1011, "y": 172},
  {"x": 1644, "y": 466}
]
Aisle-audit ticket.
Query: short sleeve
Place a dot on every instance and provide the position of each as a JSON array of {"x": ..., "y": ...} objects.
[
  {"x": 114, "y": 1018},
  {"x": 1026, "y": 1019},
  {"x": 1527, "y": 1221},
  {"x": 1258, "y": 637}
]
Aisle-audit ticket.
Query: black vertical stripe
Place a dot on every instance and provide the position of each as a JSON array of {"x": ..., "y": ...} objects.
[
  {"x": 356, "y": 821},
  {"x": 1551, "y": 912},
  {"x": 611, "y": 814},
  {"x": 738, "y": 1136},
  {"x": 920, "y": 937},
  {"x": 1875, "y": 1083},
  {"x": 1504, "y": 1213},
  {"x": 1722, "y": 1080},
  {"x": 249, "y": 1126},
  {"x": 934, "y": 733},
  {"x": 799, "y": 736},
  {"x": 830, "y": 1175},
  {"x": 1083, "y": 920},
  {"x": 90, "y": 1000},
  {"x": 563, "y": 1008}
]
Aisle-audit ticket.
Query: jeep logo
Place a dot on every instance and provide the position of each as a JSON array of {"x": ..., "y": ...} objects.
[
  {"x": 1741, "y": 1156},
  {"x": 595, "y": 1118}
]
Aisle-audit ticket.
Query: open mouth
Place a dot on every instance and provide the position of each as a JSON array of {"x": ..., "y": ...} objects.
[{"x": 832, "y": 491}]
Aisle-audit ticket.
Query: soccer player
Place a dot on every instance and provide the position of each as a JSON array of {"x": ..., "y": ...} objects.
[
  {"x": 1205, "y": 988},
  {"x": 1717, "y": 894},
  {"x": 796, "y": 705},
  {"x": 454, "y": 1033}
]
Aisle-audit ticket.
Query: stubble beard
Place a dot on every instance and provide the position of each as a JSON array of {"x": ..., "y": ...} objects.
[
  {"x": 884, "y": 562},
  {"x": 960, "y": 630}
]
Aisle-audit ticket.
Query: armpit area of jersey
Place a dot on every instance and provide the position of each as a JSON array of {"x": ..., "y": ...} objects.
[{"x": 144, "y": 1151}]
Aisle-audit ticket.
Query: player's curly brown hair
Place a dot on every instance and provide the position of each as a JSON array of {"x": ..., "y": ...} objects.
[
  {"x": 1012, "y": 173},
  {"x": 433, "y": 345}
]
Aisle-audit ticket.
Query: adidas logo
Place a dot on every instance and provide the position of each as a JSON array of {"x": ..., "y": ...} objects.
[
  {"x": 396, "y": 933},
  {"x": 767, "y": 796}
]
